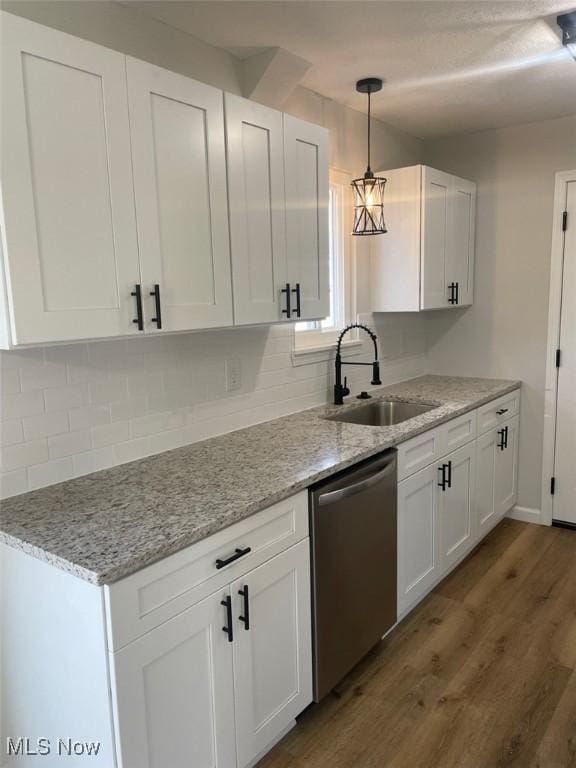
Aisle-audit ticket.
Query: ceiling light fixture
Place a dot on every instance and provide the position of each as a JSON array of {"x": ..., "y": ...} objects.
[
  {"x": 567, "y": 23},
  {"x": 369, "y": 190}
]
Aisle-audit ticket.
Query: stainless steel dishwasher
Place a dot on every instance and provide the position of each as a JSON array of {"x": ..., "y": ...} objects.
[{"x": 353, "y": 535}]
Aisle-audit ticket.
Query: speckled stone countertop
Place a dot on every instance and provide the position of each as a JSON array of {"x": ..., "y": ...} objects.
[{"x": 107, "y": 525}]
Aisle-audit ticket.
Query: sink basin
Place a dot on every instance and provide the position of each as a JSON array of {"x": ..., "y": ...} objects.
[{"x": 383, "y": 413}]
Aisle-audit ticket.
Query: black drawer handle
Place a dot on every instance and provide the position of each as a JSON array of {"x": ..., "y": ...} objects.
[
  {"x": 139, "y": 319},
  {"x": 296, "y": 290},
  {"x": 227, "y": 603},
  {"x": 442, "y": 469},
  {"x": 246, "y": 618},
  {"x": 502, "y": 411},
  {"x": 156, "y": 294},
  {"x": 287, "y": 311},
  {"x": 502, "y": 443},
  {"x": 238, "y": 553}
]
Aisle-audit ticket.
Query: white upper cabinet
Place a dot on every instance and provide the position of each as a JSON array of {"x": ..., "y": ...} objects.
[
  {"x": 69, "y": 235},
  {"x": 177, "y": 131},
  {"x": 254, "y": 136},
  {"x": 426, "y": 260},
  {"x": 306, "y": 177}
]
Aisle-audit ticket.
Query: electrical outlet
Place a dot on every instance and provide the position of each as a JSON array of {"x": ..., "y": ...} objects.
[{"x": 233, "y": 375}]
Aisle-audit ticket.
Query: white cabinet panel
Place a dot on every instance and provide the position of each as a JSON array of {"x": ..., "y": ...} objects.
[
  {"x": 70, "y": 233},
  {"x": 498, "y": 411},
  {"x": 306, "y": 174},
  {"x": 273, "y": 656},
  {"x": 436, "y": 191},
  {"x": 418, "y": 536},
  {"x": 506, "y": 482},
  {"x": 457, "y": 524},
  {"x": 458, "y": 431},
  {"x": 255, "y": 157},
  {"x": 174, "y": 697},
  {"x": 485, "y": 497},
  {"x": 460, "y": 253},
  {"x": 177, "y": 130}
]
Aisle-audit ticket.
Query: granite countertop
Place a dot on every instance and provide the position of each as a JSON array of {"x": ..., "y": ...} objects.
[{"x": 107, "y": 525}]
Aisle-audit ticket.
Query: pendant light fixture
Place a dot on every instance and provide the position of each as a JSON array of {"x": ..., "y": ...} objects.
[{"x": 369, "y": 190}]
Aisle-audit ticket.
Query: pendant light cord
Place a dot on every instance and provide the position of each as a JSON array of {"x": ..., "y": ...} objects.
[{"x": 369, "y": 169}]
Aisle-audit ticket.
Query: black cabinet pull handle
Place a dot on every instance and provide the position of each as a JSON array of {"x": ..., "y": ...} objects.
[
  {"x": 238, "y": 553},
  {"x": 296, "y": 290},
  {"x": 287, "y": 311},
  {"x": 502, "y": 443},
  {"x": 449, "y": 479},
  {"x": 452, "y": 298},
  {"x": 442, "y": 470},
  {"x": 227, "y": 603},
  {"x": 246, "y": 618},
  {"x": 501, "y": 411},
  {"x": 156, "y": 294},
  {"x": 139, "y": 319},
  {"x": 505, "y": 437},
  {"x": 457, "y": 293}
]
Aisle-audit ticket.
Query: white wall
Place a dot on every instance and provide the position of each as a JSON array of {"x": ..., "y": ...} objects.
[
  {"x": 70, "y": 410},
  {"x": 504, "y": 333}
]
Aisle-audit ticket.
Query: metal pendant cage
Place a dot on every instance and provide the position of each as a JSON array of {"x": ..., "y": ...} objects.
[{"x": 369, "y": 205}]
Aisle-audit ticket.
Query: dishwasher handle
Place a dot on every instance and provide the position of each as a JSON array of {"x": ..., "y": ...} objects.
[{"x": 351, "y": 490}]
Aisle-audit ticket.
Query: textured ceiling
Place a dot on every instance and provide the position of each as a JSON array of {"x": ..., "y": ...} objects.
[{"x": 449, "y": 67}]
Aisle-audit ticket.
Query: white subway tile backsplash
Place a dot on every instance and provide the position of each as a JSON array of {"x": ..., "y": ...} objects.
[
  {"x": 23, "y": 455},
  {"x": 21, "y": 404},
  {"x": 125, "y": 399},
  {"x": 45, "y": 425},
  {"x": 69, "y": 444},
  {"x": 50, "y": 472}
]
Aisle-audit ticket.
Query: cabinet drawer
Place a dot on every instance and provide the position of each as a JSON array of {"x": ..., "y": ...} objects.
[
  {"x": 149, "y": 597},
  {"x": 492, "y": 414},
  {"x": 418, "y": 452},
  {"x": 458, "y": 432}
]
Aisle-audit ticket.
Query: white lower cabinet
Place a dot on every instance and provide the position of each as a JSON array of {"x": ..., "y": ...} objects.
[
  {"x": 215, "y": 686},
  {"x": 272, "y": 649},
  {"x": 418, "y": 540},
  {"x": 175, "y": 693},
  {"x": 448, "y": 506}
]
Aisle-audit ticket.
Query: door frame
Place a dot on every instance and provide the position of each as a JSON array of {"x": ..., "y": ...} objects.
[{"x": 554, "y": 317}]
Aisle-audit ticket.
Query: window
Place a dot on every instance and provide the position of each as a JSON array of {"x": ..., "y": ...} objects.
[{"x": 324, "y": 333}]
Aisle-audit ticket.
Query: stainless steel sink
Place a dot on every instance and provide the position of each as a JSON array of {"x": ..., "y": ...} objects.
[{"x": 383, "y": 413}]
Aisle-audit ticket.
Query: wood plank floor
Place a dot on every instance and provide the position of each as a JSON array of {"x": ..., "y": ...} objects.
[{"x": 480, "y": 675}]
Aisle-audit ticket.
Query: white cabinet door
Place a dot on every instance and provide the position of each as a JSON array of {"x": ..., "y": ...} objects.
[
  {"x": 506, "y": 481},
  {"x": 460, "y": 252},
  {"x": 174, "y": 703},
  {"x": 307, "y": 237},
  {"x": 72, "y": 258},
  {"x": 255, "y": 158},
  {"x": 435, "y": 237},
  {"x": 456, "y": 508},
  {"x": 273, "y": 654},
  {"x": 485, "y": 496},
  {"x": 177, "y": 130},
  {"x": 418, "y": 536}
]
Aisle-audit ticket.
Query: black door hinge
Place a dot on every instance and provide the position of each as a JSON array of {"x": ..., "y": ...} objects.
[
  {"x": 564, "y": 221},
  {"x": 558, "y": 358},
  {"x": 552, "y": 485}
]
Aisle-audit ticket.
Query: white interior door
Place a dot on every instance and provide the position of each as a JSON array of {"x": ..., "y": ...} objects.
[
  {"x": 273, "y": 655},
  {"x": 418, "y": 536},
  {"x": 457, "y": 506},
  {"x": 174, "y": 693},
  {"x": 564, "y": 500},
  {"x": 177, "y": 130},
  {"x": 506, "y": 481},
  {"x": 436, "y": 191},
  {"x": 255, "y": 157},
  {"x": 70, "y": 233},
  {"x": 460, "y": 253},
  {"x": 306, "y": 176}
]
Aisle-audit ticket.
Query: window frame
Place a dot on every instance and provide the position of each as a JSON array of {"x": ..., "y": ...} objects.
[{"x": 314, "y": 341}]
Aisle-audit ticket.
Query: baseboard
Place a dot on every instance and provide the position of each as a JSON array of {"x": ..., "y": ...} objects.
[{"x": 526, "y": 514}]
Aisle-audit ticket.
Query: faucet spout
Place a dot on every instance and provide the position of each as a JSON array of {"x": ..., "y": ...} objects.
[{"x": 341, "y": 390}]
